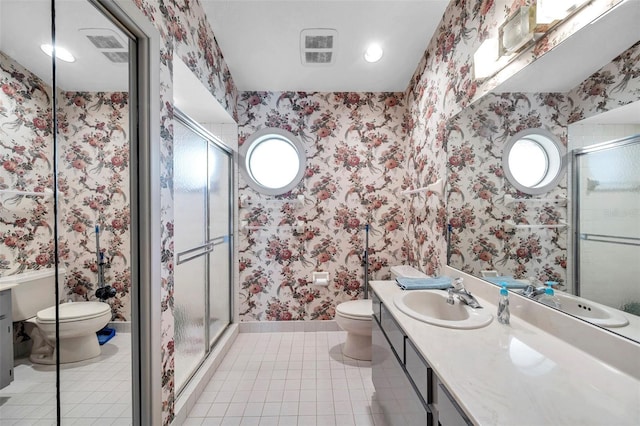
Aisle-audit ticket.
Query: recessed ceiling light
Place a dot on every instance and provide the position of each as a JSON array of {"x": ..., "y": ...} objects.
[
  {"x": 61, "y": 53},
  {"x": 373, "y": 53}
]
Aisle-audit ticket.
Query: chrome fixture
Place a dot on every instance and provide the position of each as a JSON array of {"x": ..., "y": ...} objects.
[
  {"x": 463, "y": 295},
  {"x": 450, "y": 296},
  {"x": 532, "y": 292}
]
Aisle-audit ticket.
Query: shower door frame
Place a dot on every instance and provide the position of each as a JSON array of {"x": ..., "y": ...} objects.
[
  {"x": 575, "y": 195},
  {"x": 211, "y": 139}
]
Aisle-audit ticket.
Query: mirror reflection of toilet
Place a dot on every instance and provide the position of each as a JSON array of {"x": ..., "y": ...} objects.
[
  {"x": 355, "y": 318},
  {"x": 34, "y": 302}
]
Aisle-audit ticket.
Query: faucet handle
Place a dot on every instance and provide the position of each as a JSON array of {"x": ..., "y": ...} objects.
[
  {"x": 450, "y": 299},
  {"x": 458, "y": 284}
]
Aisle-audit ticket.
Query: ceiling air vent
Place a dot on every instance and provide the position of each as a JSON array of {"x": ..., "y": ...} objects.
[
  {"x": 318, "y": 46},
  {"x": 109, "y": 43}
]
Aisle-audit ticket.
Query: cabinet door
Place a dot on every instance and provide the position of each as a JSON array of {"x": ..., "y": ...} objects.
[
  {"x": 6, "y": 340},
  {"x": 449, "y": 412},
  {"x": 419, "y": 371},
  {"x": 400, "y": 403}
]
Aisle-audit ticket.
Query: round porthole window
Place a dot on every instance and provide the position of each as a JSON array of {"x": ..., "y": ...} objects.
[
  {"x": 533, "y": 161},
  {"x": 273, "y": 161}
]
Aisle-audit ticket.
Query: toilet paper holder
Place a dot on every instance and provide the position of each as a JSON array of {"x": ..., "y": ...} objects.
[{"x": 320, "y": 278}]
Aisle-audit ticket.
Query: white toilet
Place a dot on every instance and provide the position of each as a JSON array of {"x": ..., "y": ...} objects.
[
  {"x": 33, "y": 301},
  {"x": 355, "y": 317}
]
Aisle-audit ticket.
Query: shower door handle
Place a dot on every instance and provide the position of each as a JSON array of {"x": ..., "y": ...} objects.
[{"x": 195, "y": 252}]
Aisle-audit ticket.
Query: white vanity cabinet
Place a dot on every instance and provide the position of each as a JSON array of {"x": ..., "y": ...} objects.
[
  {"x": 408, "y": 391},
  {"x": 6, "y": 339}
]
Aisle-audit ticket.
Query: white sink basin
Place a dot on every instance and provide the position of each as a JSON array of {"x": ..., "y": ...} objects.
[
  {"x": 595, "y": 313},
  {"x": 431, "y": 306}
]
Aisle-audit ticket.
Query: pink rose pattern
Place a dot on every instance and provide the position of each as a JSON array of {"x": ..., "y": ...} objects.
[
  {"x": 354, "y": 146},
  {"x": 26, "y": 150},
  {"x": 93, "y": 147},
  {"x": 476, "y": 209},
  {"x": 93, "y": 183}
]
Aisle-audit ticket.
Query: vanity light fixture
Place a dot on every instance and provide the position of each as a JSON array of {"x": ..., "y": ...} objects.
[
  {"x": 61, "y": 53},
  {"x": 529, "y": 23},
  {"x": 485, "y": 59},
  {"x": 373, "y": 53},
  {"x": 548, "y": 11}
]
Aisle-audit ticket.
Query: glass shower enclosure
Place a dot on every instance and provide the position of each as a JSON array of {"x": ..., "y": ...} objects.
[
  {"x": 203, "y": 245},
  {"x": 607, "y": 234}
]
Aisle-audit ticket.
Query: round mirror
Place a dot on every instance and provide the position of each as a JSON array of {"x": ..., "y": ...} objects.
[
  {"x": 273, "y": 161},
  {"x": 533, "y": 161}
]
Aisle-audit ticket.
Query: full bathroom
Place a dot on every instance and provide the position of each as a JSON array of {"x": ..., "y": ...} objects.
[{"x": 224, "y": 212}]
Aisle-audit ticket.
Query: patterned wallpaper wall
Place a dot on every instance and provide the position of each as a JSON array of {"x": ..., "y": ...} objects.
[
  {"x": 355, "y": 151},
  {"x": 476, "y": 207},
  {"x": 26, "y": 151},
  {"x": 442, "y": 85},
  {"x": 93, "y": 181},
  {"x": 93, "y": 184},
  {"x": 476, "y": 204}
]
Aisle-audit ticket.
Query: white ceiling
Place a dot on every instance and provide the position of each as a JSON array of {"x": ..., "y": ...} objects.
[
  {"x": 260, "y": 41},
  {"x": 25, "y": 25}
]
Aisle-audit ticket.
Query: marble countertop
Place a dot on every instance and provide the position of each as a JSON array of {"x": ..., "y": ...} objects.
[{"x": 518, "y": 374}]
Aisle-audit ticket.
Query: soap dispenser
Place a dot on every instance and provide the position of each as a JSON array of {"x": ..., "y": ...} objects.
[
  {"x": 549, "y": 298},
  {"x": 503, "y": 306}
]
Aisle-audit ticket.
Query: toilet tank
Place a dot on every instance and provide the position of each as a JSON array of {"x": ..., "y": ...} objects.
[
  {"x": 35, "y": 291},
  {"x": 406, "y": 271}
]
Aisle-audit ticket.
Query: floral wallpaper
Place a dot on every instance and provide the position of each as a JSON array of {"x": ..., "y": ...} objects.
[
  {"x": 477, "y": 210},
  {"x": 442, "y": 85},
  {"x": 26, "y": 151},
  {"x": 355, "y": 148},
  {"x": 615, "y": 85},
  {"x": 476, "y": 206},
  {"x": 93, "y": 184},
  {"x": 93, "y": 181}
]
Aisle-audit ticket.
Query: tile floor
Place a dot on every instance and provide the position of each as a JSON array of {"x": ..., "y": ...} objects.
[
  {"x": 94, "y": 392},
  {"x": 291, "y": 378}
]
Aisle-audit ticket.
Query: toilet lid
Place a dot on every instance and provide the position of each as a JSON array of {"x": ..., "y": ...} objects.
[
  {"x": 73, "y": 311},
  {"x": 356, "y": 309}
]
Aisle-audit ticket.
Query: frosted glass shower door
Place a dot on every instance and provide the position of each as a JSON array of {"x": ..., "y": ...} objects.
[
  {"x": 202, "y": 279},
  {"x": 608, "y": 230},
  {"x": 190, "y": 241},
  {"x": 219, "y": 232}
]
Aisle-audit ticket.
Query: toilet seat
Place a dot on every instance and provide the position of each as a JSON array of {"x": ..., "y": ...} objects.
[
  {"x": 73, "y": 311},
  {"x": 356, "y": 310}
]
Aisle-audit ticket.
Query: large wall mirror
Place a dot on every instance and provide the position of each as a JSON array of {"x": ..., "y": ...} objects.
[
  {"x": 581, "y": 233},
  {"x": 68, "y": 144}
]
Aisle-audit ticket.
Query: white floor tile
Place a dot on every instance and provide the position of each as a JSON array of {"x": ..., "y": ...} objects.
[{"x": 289, "y": 378}]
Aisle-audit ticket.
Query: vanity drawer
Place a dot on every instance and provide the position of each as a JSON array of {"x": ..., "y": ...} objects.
[
  {"x": 449, "y": 412},
  {"x": 377, "y": 304},
  {"x": 394, "y": 333},
  {"x": 419, "y": 372}
]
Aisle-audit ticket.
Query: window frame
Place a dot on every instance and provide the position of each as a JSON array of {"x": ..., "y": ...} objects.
[
  {"x": 555, "y": 155},
  {"x": 258, "y": 138}
]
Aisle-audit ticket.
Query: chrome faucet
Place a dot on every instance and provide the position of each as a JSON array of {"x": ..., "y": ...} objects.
[
  {"x": 532, "y": 292},
  {"x": 463, "y": 295}
]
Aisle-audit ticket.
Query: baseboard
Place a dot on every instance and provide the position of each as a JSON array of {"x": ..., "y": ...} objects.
[
  {"x": 288, "y": 326},
  {"x": 120, "y": 326}
]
